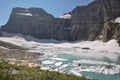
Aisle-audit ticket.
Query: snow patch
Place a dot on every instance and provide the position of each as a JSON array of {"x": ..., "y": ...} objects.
[
  {"x": 117, "y": 20},
  {"x": 25, "y": 14},
  {"x": 66, "y": 16}
]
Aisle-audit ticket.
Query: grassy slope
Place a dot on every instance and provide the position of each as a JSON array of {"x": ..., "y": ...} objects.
[{"x": 27, "y": 73}]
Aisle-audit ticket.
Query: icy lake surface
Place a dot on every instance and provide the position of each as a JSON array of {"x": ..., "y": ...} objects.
[{"x": 101, "y": 61}]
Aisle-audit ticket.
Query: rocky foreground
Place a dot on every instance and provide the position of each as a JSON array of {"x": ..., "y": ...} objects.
[{"x": 17, "y": 55}]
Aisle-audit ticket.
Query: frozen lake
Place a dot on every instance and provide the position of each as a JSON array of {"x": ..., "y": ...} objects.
[{"x": 101, "y": 61}]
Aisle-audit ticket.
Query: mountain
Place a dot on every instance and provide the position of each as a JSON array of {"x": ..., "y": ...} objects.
[
  {"x": 98, "y": 20},
  {"x": 36, "y": 22},
  {"x": 93, "y": 21},
  {"x": 29, "y": 22}
]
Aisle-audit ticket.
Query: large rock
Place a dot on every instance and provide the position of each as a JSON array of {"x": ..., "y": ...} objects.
[{"x": 91, "y": 22}]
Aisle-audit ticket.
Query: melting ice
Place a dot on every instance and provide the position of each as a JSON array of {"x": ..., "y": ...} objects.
[{"x": 69, "y": 57}]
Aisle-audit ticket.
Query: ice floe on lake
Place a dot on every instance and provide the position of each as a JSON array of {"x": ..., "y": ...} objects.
[
  {"x": 89, "y": 62},
  {"x": 100, "y": 67},
  {"x": 58, "y": 63},
  {"x": 48, "y": 62},
  {"x": 108, "y": 69},
  {"x": 59, "y": 59}
]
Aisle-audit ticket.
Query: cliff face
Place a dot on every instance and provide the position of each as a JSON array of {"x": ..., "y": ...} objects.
[
  {"x": 38, "y": 23},
  {"x": 94, "y": 21},
  {"x": 90, "y": 22},
  {"x": 32, "y": 21}
]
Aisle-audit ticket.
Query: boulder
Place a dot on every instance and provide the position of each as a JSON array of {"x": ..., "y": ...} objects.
[{"x": 86, "y": 48}]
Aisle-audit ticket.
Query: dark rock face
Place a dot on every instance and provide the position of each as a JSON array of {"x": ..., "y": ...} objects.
[
  {"x": 32, "y": 21},
  {"x": 38, "y": 23},
  {"x": 86, "y": 23},
  {"x": 119, "y": 41},
  {"x": 111, "y": 31},
  {"x": 63, "y": 29},
  {"x": 89, "y": 22},
  {"x": 112, "y": 11},
  {"x": 1, "y": 34}
]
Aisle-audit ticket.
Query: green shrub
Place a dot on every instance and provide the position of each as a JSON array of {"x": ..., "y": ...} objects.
[{"x": 27, "y": 73}]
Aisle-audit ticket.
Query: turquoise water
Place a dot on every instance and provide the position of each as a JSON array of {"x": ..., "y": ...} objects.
[
  {"x": 98, "y": 76},
  {"x": 93, "y": 75}
]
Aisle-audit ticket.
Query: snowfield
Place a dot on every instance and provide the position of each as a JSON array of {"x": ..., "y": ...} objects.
[
  {"x": 117, "y": 20},
  {"x": 109, "y": 50},
  {"x": 66, "y": 16},
  {"x": 25, "y": 14}
]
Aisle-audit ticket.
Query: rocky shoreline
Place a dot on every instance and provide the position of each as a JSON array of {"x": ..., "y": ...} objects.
[{"x": 16, "y": 55}]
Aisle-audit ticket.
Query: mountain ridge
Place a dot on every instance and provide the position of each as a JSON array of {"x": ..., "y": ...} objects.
[{"x": 91, "y": 22}]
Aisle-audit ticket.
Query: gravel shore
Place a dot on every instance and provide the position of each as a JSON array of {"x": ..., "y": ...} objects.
[{"x": 17, "y": 55}]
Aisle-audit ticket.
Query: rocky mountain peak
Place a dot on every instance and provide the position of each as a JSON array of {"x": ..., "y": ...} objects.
[{"x": 91, "y": 22}]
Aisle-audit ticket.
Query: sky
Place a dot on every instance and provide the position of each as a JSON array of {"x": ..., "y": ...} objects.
[{"x": 54, "y": 7}]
